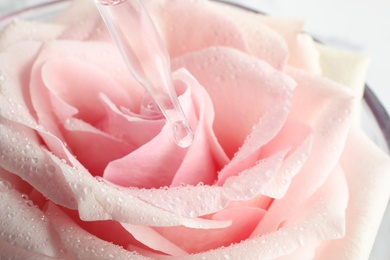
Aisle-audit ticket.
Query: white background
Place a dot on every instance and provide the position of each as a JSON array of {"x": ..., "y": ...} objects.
[{"x": 358, "y": 25}]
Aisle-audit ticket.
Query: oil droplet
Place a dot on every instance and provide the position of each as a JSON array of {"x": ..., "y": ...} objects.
[{"x": 183, "y": 134}]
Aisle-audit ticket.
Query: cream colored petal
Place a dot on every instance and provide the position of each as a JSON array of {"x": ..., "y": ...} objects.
[{"x": 347, "y": 68}]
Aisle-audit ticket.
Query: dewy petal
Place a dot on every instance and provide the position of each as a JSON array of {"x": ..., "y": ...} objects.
[
  {"x": 297, "y": 48},
  {"x": 367, "y": 169},
  {"x": 98, "y": 199},
  {"x": 209, "y": 27},
  {"x": 326, "y": 107},
  {"x": 270, "y": 177},
  {"x": 25, "y": 227},
  {"x": 322, "y": 217},
  {"x": 205, "y": 147},
  {"x": 142, "y": 168},
  {"x": 347, "y": 68},
  {"x": 77, "y": 59},
  {"x": 80, "y": 243},
  {"x": 244, "y": 220},
  {"x": 75, "y": 78},
  {"x": 234, "y": 79},
  {"x": 31, "y": 162},
  {"x": 20, "y": 30}
]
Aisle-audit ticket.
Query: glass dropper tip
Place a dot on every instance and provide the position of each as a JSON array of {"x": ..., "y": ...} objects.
[
  {"x": 147, "y": 59},
  {"x": 182, "y": 133}
]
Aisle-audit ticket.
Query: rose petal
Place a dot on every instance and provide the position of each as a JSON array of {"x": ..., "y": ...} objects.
[
  {"x": 67, "y": 76},
  {"x": 205, "y": 147},
  {"x": 93, "y": 148},
  {"x": 151, "y": 238},
  {"x": 349, "y": 69},
  {"x": 25, "y": 227},
  {"x": 134, "y": 129},
  {"x": 82, "y": 244},
  {"x": 320, "y": 107},
  {"x": 100, "y": 200},
  {"x": 8, "y": 250},
  {"x": 299, "y": 47},
  {"x": 216, "y": 25},
  {"x": 231, "y": 86},
  {"x": 244, "y": 220},
  {"x": 208, "y": 26},
  {"x": 143, "y": 167},
  {"x": 269, "y": 177},
  {"x": 368, "y": 178},
  {"x": 322, "y": 217},
  {"x": 37, "y": 167}
]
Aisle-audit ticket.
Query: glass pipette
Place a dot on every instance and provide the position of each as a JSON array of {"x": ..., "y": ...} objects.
[{"x": 146, "y": 58}]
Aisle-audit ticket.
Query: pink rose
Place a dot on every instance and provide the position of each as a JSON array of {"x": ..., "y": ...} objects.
[{"x": 89, "y": 169}]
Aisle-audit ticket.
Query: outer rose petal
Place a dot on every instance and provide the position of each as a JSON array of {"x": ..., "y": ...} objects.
[
  {"x": 348, "y": 69},
  {"x": 25, "y": 227},
  {"x": 300, "y": 48},
  {"x": 83, "y": 245},
  {"x": 212, "y": 26},
  {"x": 322, "y": 217},
  {"x": 317, "y": 102},
  {"x": 368, "y": 178},
  {"x": 244, "y": 220}
]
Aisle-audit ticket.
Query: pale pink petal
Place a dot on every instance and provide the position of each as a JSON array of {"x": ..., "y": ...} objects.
[
  {"x": 78, "y": 59},
  {"x": 292, "y": 136},
  {"x": 16, "y": 105},
  {"x": 134, "y": 129},
  {"x": 98, "y": 199},
  {"x": 25, "y": 226},
  {"x": 264, "y": 178},
  {"x": 147, "y": 166},
  {"x": 209, "y": 27},
  {"x": 244, "y": 220},
  {"x": 78, "y": 83},
  {"x": 10, "y": 179},
  {"x": 139, "y": 168},
  {"x": 299, "y": 47},
  {"x": 9, "y": 251},
  {"x": 322, "y": 217},
  {"x": 317, "y": 102},
  {"x": 151, "y": 238},
  {"x": 83, "y": 245},
  {"x": 93, "y": 148},
  {"x": 368, "y": 180},
  {"x": 205, "y": 156},
  {"x": 254, "y": 86},
  {"x": 37, "y": 166}
]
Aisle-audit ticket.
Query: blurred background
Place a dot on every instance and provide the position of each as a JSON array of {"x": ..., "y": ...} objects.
[{"x": 358, "y": 25}]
